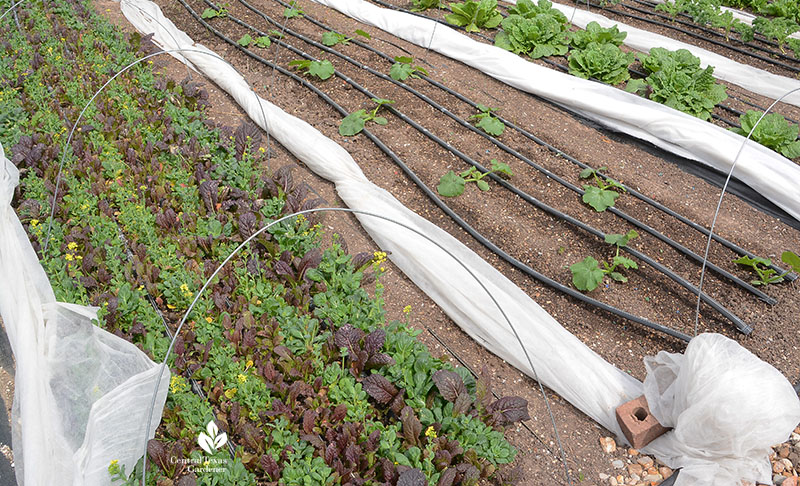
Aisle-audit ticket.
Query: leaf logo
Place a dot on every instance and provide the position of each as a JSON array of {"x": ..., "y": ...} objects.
[{"x": 212, "y": 441}]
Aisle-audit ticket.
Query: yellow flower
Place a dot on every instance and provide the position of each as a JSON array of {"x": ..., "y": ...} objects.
[
  {"x": 171, "y": 307},
  {"x": 69, "y": 257},
  {"x": 242, "y": 378},
  {"x": 258, "y": 302},
  {"x": 34, "y": 222},
  {"x": 249, "y": 363},
  {"x": 430, "y": 432},
  {"x": 177, "y": 384},
  {"x": 230, "y": 393},
  {"x": 262, "y": 150},
  {"x": 209, "y": 320},
  {"x": 72, "y": 245},
  {"x": 141, "y": 287},
  {"x": 407, "y": 309}
]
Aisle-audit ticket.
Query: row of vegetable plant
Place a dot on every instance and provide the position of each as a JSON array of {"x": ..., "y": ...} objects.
[
  {"x": 673, "y": 78},
  {"x": 289, "y": 344}
]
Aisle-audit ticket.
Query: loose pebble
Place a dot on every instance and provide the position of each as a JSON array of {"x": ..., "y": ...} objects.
[
  {"x": 645, "y": 461},
  {"x": 618, "y": 464},
  {"x": 608, "y": 444}
]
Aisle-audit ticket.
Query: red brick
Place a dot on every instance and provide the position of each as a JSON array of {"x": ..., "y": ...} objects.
[{"x": 637, "y": 423}]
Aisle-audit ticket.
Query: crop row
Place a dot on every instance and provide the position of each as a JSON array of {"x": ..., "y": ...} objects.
[{"x": 289, "y": 347}]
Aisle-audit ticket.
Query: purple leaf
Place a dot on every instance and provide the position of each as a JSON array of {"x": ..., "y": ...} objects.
[
  {"x": 379, "y": 388},
  {"x": 512, "y": 409},
  {"x": 450, "y": 384}
]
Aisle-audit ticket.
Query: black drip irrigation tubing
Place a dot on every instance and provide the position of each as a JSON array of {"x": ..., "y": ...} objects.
[
  {"x": 713, "y": 32},
  {"x": 641, "y": 225},
  {"x": 687, "y": 32},
  {"x": 435, "y": 199},
  {"x": 726, "y": 243},
  {"x": 740, "y": 325}
]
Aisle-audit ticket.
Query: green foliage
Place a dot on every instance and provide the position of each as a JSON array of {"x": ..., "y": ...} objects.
[
  {"x": 402, "y": 69},
  {"x": 760, "y": 266},
  {"x": 332, "y": 38},
  {"x": 790, "y": 258},
  {"x": 353, "y": 123},
  {"x": 534, "y": 29},
  {"x": 594, "y": 33},
  {"x": 587, "y": 274},
  {"x": 452, "y": 184},
  {"x": 677, "y": 81},
  {"x": 488, "y": 122},
  {"x": 210, "y": 13},
  {"x": 773, "y": 131},
  {"x": 292, "y": 11},
  {"x": 777, "y": 29},
  {"x": 604, "y": 62},
  {"x": 245, "y": 40},
  {"x": 322, "y": 69},
  {"x": 602, "y": 195},
  {"x": 474, "y": 15},
  {"x": 263, "y": 41},
  {"x": 422, "y": 5}
]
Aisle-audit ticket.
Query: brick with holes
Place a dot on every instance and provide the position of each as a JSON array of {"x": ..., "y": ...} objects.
[{"x": 637, "y": 423}]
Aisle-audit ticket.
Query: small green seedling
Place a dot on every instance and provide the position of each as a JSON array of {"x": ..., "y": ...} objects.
[
  {"x": 322, "y": 69},
  {"x": 766, "y": 275},
  {"x": 587, "y": 274},
  {"x": 277, "y": 34},
  {"x": 422, "y": 5},
  {"x": 332, "y": 38},
  {"x": 488, "y": 122},
  {"x": 292, "y": 11},
  {"x": 402, "y": 69},
  {"x": 210, "y": 13},
  {"x": 452, "y": 184},
  {"x": 353, "y": 123},
  {"x": 245, "y": 40},
  {"x": 604, "y": 194}
]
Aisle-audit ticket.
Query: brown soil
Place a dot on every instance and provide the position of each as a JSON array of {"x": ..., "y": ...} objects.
[{"x": 533, "y": 237}]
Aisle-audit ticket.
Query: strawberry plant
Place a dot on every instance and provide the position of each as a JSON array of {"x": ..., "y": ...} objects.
[
  {"x": 474, "y": 15},
  {"x": 331, "y": 38},
  {"x": 322, "y": 69},
  {"x": 594, "y": 33},
  {"x": 353, "y": 123},
  {"x": 773, "y": 132},
  {"x": 605, "y": 62},
  {"x": 602, "y": 195},
  {"x": 452, "y": 184},
  {"x": 488, "y": 122},
  {"x": 587, "y": 274},
  {"x": 535, "y": 30},
  {"x": 402, "y": 69}
]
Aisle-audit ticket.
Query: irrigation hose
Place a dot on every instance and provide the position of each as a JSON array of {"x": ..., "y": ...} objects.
[
  {"x": 446, "y": 209},
  {"x": 683, "y": 219}
]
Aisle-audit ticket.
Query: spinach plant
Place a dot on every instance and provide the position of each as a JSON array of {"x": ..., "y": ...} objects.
[
  {"x": 353, "y": 123},
  {"x": 604, "y": 62},
  {"x": 488, "y": 122},
  {"x": 474, "y": 16},
  {"x": 773, "y": 132},
  {"x": 322, "y": 69},
  {"x": 452, "y": 184},
  {"x": 402, "y": 69},
  {"x": 603, "y": 195},
  {"x": 587, "y": 273}
]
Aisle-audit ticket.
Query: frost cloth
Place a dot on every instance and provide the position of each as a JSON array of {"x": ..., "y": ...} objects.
[
  {"x": 562, "y": 362},
  {"x": 81, "y": 394}
]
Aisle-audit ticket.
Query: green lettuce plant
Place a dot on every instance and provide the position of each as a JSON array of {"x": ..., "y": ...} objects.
[{"x": 604, "y": 62}]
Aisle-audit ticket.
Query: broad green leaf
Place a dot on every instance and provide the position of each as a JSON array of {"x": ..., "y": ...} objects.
[
  {"x": 586, "y": 274},
  {"x": 624, "y": 262},
  {"x": 400, "y": 71},
  {"x": 363, "y": 33},
  {"x": 333, "y": 38},
  {"x": 404, "y": 59},
  {"x": 209, "y": 13},
  {"x": 501, "y": 167},
  {"x": 491, "y": 125},
  {"x": 618, "y": 277},
  {"x": 621, "y": 240},
  {"x": 451, "y": 185},
  {"x": 791, "y": 259},
  {"x": 263, "y": 41},
  {"x": 587, "y": 173},
  {"x": 752, "y": 262},
  {"x": 380, "y": 120},
  {"x": 599, "y": 199},
  {"x": 245, "y": 40},
  {"x": 353, "y": 123},
  {"x": 321, "y": 69},
  {"x": 638, "y": 86},
  {"x": 482, "y": 185}
]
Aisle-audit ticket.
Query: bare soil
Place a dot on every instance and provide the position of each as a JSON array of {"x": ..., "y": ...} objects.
[{"x": 545, "y": 243}]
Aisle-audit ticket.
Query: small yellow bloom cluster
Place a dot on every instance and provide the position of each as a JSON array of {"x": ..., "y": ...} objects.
[
  {"x": 72, "y": 246},
  {"x": 34, "y": 223},
  {"x": 407, "y": 309},
  {"x": 113, "y": 468},
  {"x": 242, "y": 378},
  {"x": 185, "y": 290},
  {"x": 230, "y": 393},
  {"x": 178, "y": 384},
  {"x": 209, "y": 320},
  {"x": 431, "y": 432}
]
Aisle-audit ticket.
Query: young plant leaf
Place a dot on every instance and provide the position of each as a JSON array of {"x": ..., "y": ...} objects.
[
  {"x": 353, "y": 123},
  {"x": 263, "y": 41},
  {"x": 245, "y": 40},
  {"x": 791, "y": 259},
  {"x": 586, "y": 274},
  {"x": 599, "y": 199},
  {"x": 451, "y": 185},
  {"x": 363, "y": 33}
]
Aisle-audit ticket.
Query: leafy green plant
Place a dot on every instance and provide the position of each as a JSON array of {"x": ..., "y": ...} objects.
[
  {"x": 594, "y": 33},
  {"x": 587, "y": 274},
  {"x": 794, "y": 45},
  {"x": 603, "y": 195},
  {"x": 760, "y": 265},
  {"x": 292, "y": 11},
  {"x": 530, "y": 9},
  {"x": 353, "y": 123},
  {"x": 540, "y": 36},
  {"x": 774, "y": 132},
  {"x": 322, "y": 69},
  {"x": 474, "y": 16},
  {"x": 604, "y": 62},
  {"x": 672, "y": 7},
  {"x": 245, "y": 40},
  {"x": 676, "y": 80},
  {"x": 790, "y": 258},
  {"x": 488, "y": 122},
  {"x": 452, "y": 184},
  {"x": 422, "y": 5},
  {"x": 402, "y": 69},
  {"x": 332, "y": 38},
  {"x": 777, "y": 29},
  {"x": 210, "y": 13}
]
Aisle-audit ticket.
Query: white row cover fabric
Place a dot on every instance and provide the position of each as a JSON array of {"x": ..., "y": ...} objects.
[
  {"x": 748, "y": 77},
  {"x": 81, "y": 394},
  {"x": 745, "y": 17},
  {"x": 769, "y": 173},
  {"x": 563, "y": 362}
]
